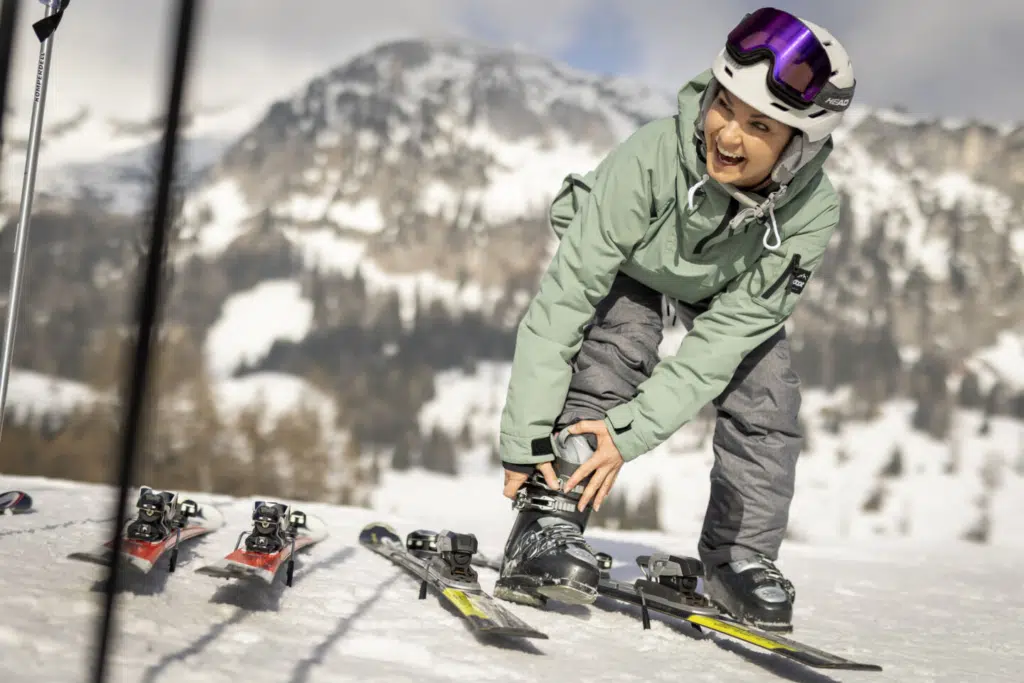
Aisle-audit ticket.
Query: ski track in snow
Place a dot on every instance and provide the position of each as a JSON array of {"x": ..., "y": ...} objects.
[{"x": 947, "y": 613}]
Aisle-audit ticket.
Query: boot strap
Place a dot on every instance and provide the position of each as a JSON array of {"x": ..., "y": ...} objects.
[{"x": 541, "y": 503}]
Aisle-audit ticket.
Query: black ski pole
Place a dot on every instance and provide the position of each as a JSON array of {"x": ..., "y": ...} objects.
[
  {"x": 8, "y": 20},
  {"x": 148, "y": 307}
]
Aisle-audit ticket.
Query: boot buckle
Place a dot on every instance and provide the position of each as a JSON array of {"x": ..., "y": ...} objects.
[{"x": 523, "y": 500}]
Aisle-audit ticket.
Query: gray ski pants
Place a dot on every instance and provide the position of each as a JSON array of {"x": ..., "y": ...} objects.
[{"x": 757, "y": 437}]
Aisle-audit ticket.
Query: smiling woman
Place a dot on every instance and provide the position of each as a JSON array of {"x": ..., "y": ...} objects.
[{"x": 724, "y": 209}]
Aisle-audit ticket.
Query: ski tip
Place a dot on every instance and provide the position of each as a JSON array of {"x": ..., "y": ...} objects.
[
  {"x": 376, "y": 533},
  {"x": 15, "y": 501}
]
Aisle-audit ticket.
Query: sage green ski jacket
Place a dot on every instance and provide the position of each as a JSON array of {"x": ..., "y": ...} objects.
[{"x": 650, "y": 211}]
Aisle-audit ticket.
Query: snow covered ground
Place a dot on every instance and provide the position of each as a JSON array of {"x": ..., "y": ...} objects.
[{"x": 926, "y": 613}]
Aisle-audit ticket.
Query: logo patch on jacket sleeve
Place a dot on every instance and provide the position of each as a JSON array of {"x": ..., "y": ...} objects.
[{"x": 798, "y": 280}]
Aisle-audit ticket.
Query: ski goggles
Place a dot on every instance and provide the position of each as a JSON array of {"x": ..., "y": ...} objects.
[{"x": 801, "y": 67}]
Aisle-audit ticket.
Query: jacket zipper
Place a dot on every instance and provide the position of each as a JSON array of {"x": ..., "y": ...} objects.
[
  {"x": 730, "y": 213},
  {"x": 794, "y": 263}
]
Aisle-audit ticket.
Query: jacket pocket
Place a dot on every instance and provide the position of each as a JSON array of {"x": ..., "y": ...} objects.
[
  {"x": 794, "y": 265},
  {"x": 784, "y": 284}
]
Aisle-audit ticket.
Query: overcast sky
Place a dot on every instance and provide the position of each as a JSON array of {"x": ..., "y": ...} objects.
[{"x": 935, "y": 57}]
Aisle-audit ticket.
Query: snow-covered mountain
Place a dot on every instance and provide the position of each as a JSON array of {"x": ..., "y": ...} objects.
[
  {"x": 426, "y": 164},
  {"x": 350, "y": 615},
  {"x": 376, "y": 234},
  {"x": 113, "y": 161}
]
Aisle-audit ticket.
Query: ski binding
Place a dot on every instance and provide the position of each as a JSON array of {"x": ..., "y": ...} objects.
[
  {"x": 444, "y": 561},
  {"x": 161, "y": 524},
  {"x": 277, "y": 534}
]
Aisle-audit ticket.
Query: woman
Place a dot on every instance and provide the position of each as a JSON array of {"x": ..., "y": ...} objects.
[{"x": 725, "y": 210}]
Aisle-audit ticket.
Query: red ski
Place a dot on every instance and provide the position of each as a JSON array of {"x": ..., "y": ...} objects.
[
  {"x": 161, "y": 526},
  {"x": 278, "y": 533}
]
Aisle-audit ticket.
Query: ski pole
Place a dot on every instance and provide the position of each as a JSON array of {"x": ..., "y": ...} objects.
[
  {"x": 44, "y": 31},
  {"x": 148, "y": 308},
  {"x": 8, "y": 20}
]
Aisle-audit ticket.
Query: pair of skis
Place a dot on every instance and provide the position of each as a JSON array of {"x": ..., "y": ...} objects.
[
  {"x": 163, "y": 523},
  {"x": 444, "y": 561}
]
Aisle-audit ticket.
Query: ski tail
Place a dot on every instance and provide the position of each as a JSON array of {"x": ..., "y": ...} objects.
[
  {"x": 161, "y": 526},
  {"x": 17, "y": 502},
  {"x": 668, "y": 588}
]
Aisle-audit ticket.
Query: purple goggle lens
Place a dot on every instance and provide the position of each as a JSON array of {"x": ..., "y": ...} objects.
[{"x": 800, "y": 65}]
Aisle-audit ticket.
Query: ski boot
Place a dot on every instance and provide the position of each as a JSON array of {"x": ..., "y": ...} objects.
[
  {"x": 271, "y": 529},
  {"x": 754, "y": 592},
  {"x": 546, "y": 555},
  {"x": 157, "y": 511}
]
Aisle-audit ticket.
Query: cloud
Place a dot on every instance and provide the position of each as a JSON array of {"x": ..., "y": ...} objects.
[
  {"x": 943, "y": 57},
  {"x": 112, "y": 54}
]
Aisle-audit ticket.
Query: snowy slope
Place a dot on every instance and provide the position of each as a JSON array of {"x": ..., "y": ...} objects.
[
  {"x": 253, "y": 320},
  {"x": 351, "y": 616},
  {"x": 32, "y": 395},
  {"x": 1001, "y": 362}
]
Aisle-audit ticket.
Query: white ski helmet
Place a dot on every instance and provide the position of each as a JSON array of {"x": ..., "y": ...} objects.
[{"x": 819, "y": 111}]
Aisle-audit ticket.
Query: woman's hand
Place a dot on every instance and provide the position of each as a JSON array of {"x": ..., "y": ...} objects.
[
  {"x": 513, "y": 480},
  {"x": 605, "y": 464}
]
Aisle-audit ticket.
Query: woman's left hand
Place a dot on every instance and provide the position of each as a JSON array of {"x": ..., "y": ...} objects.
[{"x": 605, "y": 464}]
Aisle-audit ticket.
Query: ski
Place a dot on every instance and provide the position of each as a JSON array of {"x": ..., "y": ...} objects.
[
  {"x": 278, "y": 533},
  {"x": 15, "y": 502},
  {"x": 444, "y": 564},
  {"x": 161, "y": 525},
  {"x": 669, "y": 586}
]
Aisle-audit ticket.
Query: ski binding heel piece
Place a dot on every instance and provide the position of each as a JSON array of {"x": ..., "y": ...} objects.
[
  {"x": 451, "y": 562},
  {"x": 670, "y": 579},
  {"x": 186, "y": 509}
]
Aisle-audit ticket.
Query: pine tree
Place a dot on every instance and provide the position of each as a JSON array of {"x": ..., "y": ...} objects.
[
  {"x": 466, "y": 435},
  {"x": 401, "y": 458},
  {"x": 970, "y": 395},
  {"x": 354, "y": 479},
  {"x": 439, "y": 453},
  {"x": 894, "y": 468}
]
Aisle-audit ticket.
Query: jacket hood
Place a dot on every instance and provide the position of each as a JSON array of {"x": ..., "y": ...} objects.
[{"x": 798, "y": 164}]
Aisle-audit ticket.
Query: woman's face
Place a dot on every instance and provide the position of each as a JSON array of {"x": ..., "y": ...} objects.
[{"x": 743, "y": 143}]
